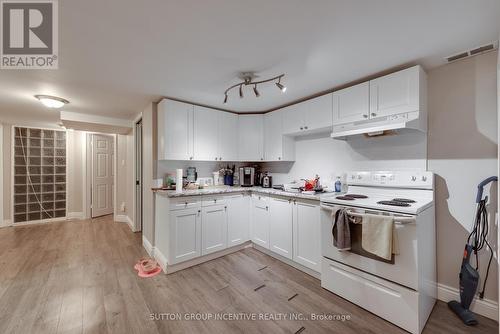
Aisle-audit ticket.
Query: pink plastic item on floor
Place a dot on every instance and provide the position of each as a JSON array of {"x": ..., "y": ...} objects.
[{"x": 147, "y": 268}]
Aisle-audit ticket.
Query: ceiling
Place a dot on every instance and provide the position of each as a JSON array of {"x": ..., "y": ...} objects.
[{"x": 117, "y": 55}]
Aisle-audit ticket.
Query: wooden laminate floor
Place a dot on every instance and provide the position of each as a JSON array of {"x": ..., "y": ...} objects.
[{"x": 77, "y": 277}]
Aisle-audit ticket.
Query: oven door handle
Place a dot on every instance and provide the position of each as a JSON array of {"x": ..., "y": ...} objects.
[{"x": 397, "y": 220}]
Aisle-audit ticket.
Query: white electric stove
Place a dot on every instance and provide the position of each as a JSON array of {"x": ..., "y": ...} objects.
[{"x": 401, "y": 290}]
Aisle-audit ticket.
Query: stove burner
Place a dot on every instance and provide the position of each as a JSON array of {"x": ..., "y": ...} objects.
[
  {"x": 393, "y": 203},
  {"x": 356, "y": 196},
  {"x": 346, "y": 198},
  {"x": 404, "y": 200}
]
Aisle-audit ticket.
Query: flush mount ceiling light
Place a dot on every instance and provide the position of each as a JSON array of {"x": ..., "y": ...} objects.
[
  {"x": 53, "y": 102},
  {"x": 248, "y": 80}
]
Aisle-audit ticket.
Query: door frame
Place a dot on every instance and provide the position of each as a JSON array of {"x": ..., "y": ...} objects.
[
  {"x": 88, "y": 172},
  {"x": 2, "y": 221},
  {"x": 137, "y": 220}
]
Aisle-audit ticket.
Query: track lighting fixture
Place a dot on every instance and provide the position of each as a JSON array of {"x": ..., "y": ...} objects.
[
  {"x": 257, "y": 94},
  {"x": 247, "y": 80}
]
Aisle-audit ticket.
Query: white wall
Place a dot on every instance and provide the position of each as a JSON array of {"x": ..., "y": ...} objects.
[
  {"x": 328, "y": 157},
  {"x": 130, "y": 178},
  {"x": 462, "y": 152},
  {"x": 75, "y": 173}
]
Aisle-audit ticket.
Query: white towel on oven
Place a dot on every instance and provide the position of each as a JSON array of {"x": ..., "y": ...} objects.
[{"x": 379, "y": 236}]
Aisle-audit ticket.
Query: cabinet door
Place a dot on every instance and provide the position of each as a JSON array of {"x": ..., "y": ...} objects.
[
  {"x": 251, "y": 137},
  {"x": 214, "y": 229},
  {"x": 175, "y": 130},
  {"x": 293, "y": 119},
  {"x": 351, "y": 104},
  {"x": 395, "y": 93},
  {"x": 206, "y": 132},
  {"x": 260, "y": 221},
  {"x": 238, "y": 212},
  {"x": 273, "y": 137},
  {"x": 307, "y": 235},
  {"x": 280, "y": 226},
  {"x": 186, "y": 235},
  {"x": 319, "y": 113},
  {"x": 228, "y": 136}
]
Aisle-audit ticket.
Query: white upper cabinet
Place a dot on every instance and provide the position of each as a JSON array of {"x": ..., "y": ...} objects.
[
  {"x": 175, "y": 130},
  {"x": 293, "y": 119},
  {"x": 277, "y": 147},
  {"x": 228, "y": 136},
  {"x": 397, "y": 92},
  {"x": 318, "y": 113},
  {"x": 310, "y": 116},
  {"x": 351, "y": 104},
  {"x": 206, "y": 134},
  {"x": 251, "y": 137}
]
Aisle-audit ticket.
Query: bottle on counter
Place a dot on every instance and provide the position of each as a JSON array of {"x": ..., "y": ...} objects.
[{"x": 338, "y": 185}]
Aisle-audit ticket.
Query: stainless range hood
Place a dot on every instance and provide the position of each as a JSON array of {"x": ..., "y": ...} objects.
[{"x": 412, "y": 120}]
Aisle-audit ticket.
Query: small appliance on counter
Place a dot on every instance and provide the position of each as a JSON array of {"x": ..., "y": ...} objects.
[
  {"x": 258, "y": 178},
  {"x": 267, "y": 181},
  {"x": 191, "y": 174},
  {"x": 247, "y": 176}
]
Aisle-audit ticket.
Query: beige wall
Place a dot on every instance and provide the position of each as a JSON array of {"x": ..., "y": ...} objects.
[
  {"x": 121, "y": 174},
  {"x": 75, "y": 171},
  {"x": 462, "y": 151},
  {"x": 7, "y": 142},
  {"x": 148, "y": 170}
]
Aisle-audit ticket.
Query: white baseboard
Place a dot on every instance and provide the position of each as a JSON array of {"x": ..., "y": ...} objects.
[
  {"x": 125, "y": 219},
  {"x": 147, "y": 246},
  {"x": 161, "y": 259},
  {"x": 484, "y": 307},
  {"x": 6, "y": 223},
  {"x": 75, "y": 215}
]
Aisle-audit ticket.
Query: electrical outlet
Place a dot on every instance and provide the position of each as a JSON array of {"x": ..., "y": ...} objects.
[{"x": 122, "y": 207}]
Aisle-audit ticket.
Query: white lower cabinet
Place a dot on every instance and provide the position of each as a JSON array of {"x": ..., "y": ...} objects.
[
  {"x": 307, "y": 234},
  {"x": 185, "y": 238},
  {"x": 238, "y": 212},
  {"x": 260, "y": 220},
  {"x": 280, "y": 226},
  {"x": 214, "y": 229}
]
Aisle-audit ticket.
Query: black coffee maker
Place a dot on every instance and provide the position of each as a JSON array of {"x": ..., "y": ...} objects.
[{"x": 258, "y": 177}]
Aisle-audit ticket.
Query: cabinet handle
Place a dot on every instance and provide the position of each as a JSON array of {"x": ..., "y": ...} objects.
[
  {"x": 220, "y": 158},
  {"x": 279, "y": 158},
  {"x": 365, "y": 116},
  {"x": 190, "y": 158},
  {"x": 225, "y": 208},
  {"x": 267, "y": 208},
  {"x": 261, "y": 158},
  {"x": 374, "y": 114},
  {"x": 305, "y": 127},
  {"x": 301, "y": 128},
  {"x": 289, "y": 200},
  {"x": 215, "y": 158}
]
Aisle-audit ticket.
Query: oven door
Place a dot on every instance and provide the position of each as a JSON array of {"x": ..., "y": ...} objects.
[{"x": 402, "y": 269}]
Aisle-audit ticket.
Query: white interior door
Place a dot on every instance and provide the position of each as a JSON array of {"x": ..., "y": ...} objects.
[{"x": 102, "y": 175}]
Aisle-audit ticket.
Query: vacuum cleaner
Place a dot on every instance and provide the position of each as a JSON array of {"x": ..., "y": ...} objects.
[{"x": 469, "y": 276}]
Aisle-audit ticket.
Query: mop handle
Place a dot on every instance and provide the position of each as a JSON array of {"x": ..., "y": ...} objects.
[{"x": 480, "y": 187}]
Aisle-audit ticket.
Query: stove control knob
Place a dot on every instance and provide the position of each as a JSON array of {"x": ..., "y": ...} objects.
[
  {"x": 424, "y": 178},
  {"x": 359, "y": 177},
  {"x": 414, "y": 178}
]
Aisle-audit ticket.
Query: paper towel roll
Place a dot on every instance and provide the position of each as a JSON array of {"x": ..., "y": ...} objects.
[{"x": 178, "y": 181}]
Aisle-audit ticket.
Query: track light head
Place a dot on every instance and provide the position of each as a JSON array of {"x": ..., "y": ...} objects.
[
  {"x": 241, "y": 91},
  {"x": 225, "y": 98},
  {"x": 280, "y": 86},
  {"x": 257, "y": 94}
]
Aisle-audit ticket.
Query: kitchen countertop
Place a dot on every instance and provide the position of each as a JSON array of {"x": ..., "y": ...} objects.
[{"x": 228, "y": 189}]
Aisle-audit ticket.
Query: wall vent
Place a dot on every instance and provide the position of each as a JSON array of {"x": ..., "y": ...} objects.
[{"x": 472, "y": 52}]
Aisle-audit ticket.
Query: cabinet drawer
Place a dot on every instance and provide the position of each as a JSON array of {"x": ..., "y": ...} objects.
[
  {"x": 185, "y": 203},
  {"x": 260, "y": 199},
  {"x": 390, "y": 301},
  {"x": 213, "y": 200}
]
